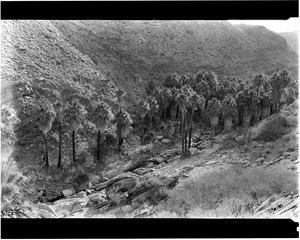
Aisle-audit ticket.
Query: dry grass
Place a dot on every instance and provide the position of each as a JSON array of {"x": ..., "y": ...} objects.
[
  {"x": 231, "y": 192},
  {"x": 11, "y": 183},
  {"x": 273, "y": 130}
]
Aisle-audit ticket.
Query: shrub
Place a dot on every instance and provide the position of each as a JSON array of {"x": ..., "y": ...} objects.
[
  {"x": 11, "y": 183},
  {"x": 273, "y": 129},
  {"x": 237, "y": 189}
]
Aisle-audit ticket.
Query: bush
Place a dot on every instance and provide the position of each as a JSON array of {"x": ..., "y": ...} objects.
[
  {"x": 12, "y": 181},
  {"x": 236, "y": 189},
  {"x": 273, "y": 129}
]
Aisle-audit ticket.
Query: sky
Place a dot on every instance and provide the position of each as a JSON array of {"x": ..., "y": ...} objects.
[{"x": 290, "y": 25}]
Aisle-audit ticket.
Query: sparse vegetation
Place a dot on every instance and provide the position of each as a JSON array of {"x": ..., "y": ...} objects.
[
  {"x": 232, "y": 189},
  {"x": 75, "y": 102},
  {"x": 273, "y": 129}
]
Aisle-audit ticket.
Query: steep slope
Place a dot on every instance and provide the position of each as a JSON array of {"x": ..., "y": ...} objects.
[
  {"x": 132, "y": 52},
  {"x": 37, "y": 61},
  {"x": 291, "y": 39}
]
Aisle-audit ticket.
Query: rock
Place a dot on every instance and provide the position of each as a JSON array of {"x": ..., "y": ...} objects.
[
  {"x": 159, "y": 137},
  {"x": 269, "y": 145},
  {"x": 93, "y": 178},
  {"x": 127, "y": 208},
  {"x": 285, "y": 162},
  {"x": 286, "y": 154},
  {"x": 81, "y": 194},
  {"x": 254, "y": 144},
  {"x": 166, "y": 141},
  {"x": 88, "y": 191},
  {"x": 55, "y": 136},
  {"x": 68, "y": 192},
  {"x": 45, "y": 207},
  {"x": 291, "y": 149},
  {"x": 239, "y": 138},
  {"x": 142, "y": 171},
  {"x": 188, "y": 168},
  {"x": 97, "y": 198},
  {"x": 286, "y": 138},
  {"x": 100, "y": 186},
  {"x": 211, "y": 162},
  {"x": 268, "y": 150},
  {"x": 45, "y": 214},
  {"x": 259, "y": 161}
]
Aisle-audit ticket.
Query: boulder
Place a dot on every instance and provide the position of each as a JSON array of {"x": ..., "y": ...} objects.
[
  {"x": 286, "y": 154},
  {"x": 254, "y": 144},
  {"x": 80, "y": 194},
  {"x": 159, "y": 137},
  {"x": 45, "y": 207},
  {"x": 93, "y": 178},
  {"x": 142, "y": 171},
  {"x": 68, "y": 192},
  {"x": 259, "y": 161},
  {"x": 166, "y": 141},
  {"x": 45, "y": 214},
  {"x": 269, "y": 145},
  {"x": 127, "y": 208},
  {"x": 97, "y": 198},
  {"x": 267, "y": 150},
  {"x": 211, "y": 162}
]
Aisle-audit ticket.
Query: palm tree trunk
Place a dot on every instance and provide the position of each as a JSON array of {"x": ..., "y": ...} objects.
[
  {"x": 191, "y": 129},
  {"x": 177, "y": 119},
  {"x": 59, "y": 146},
  {"x": 74, "y": 147},
  {"x": 183, "y": 134},
  {"x": 185, "y": 140},
  {"x": 46, "y": 150},
  {"x": 120, "y": 138},
  {"x": 98, "y": 145}
]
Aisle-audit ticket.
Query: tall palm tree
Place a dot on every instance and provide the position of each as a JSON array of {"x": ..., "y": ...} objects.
[
  {"x": 45, "y": 116},
  {"x": 196, "y": 102},
  {"x": 123, "y": 121},
  {"x": 279, "y": 81},
  {"x": 213, "y": 110},
  {"x": 74, "y": 116},
  {"x": 228, "y": 110},
  {"x": 60, "y": 114},
  {"x": 101, "y": 117}
]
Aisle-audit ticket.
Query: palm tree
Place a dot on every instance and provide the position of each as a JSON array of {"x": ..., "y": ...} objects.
[
  {"x": 228, "y": 110},
  {"x": 258, "y": 81},
  {"x": 164, "y": 96},
  {"x": 45, "y": 116},
  {"x": 153, "y": 108},
  {"x": 213, "y": 110},
  {"x": 142, "y": 109},
  {"x": 74, "y": 116},
  {"x": 279, "y": 81},
  {"x": 60, "y": 113},
  {"x": 196, "y": 102},
  {"x": 123, "y": 121},
  {"x": 101, "y": 117},
  {"x": 9, "y": 120},
  {"x": 182, "y": 100},
  {"x": 206, "y": 83}
]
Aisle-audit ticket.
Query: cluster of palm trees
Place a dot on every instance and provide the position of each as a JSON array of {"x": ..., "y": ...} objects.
[
  {"x": 71, "y": 115},
  {"x": 234, "y": 100}
]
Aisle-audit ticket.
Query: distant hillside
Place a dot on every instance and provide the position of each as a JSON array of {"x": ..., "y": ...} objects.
[
  {"x": 291, "y": 39},
  {"x": 132, "y": 52}
]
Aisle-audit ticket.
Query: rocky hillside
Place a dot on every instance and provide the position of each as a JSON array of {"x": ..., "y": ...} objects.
[
  {"x": 132, "y": 52},
  {"x": 291, "y": 39}
]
